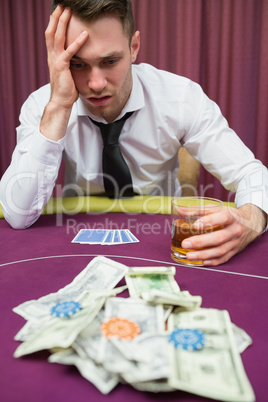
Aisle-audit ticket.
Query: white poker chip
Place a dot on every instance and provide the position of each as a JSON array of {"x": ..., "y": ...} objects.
[
  {"x": 65, "y": 309},
  {"x": 187, "y": 339}
]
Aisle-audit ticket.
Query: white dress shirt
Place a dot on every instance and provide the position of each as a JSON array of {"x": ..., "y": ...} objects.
[{"x": 169, "y": 111}]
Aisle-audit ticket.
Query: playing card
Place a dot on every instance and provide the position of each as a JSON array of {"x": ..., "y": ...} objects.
[
  {"x": 90, "y": 236},
  {"x": 131, "y": 236},
  {"x": 109, "y": 237},
  {"x": 117, "y": 237},
  {"x": 104, "y": 236}
]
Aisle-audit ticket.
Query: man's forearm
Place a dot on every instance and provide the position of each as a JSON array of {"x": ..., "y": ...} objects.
[
  {"x": 54, "y": 121},
  {"x": 28, "y": 183}
]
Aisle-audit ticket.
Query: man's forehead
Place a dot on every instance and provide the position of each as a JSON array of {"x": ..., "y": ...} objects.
[
  {"x": 106, "y": 24},
  {"x": 75, "y": 27},
  {"x": 105, "y": 37}
]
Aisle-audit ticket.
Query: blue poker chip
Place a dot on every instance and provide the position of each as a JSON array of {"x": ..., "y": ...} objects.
[
  {"x": 187, "y": 339},
  {"x": 65, "y": 309}
]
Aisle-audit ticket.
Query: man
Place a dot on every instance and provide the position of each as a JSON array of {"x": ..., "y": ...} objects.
[{"x": 91, "y": 47}]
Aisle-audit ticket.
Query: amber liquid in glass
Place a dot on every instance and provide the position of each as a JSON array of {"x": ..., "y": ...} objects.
[{"x": 180, "y": 230}]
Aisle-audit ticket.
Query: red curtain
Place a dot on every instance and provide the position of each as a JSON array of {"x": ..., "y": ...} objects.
[
  {"x": 221, "y": 44},
  {"x": 23, "y": 66}
]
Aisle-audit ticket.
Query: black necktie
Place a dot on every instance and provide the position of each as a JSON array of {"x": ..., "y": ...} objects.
[{"x": 116, "y": 175}]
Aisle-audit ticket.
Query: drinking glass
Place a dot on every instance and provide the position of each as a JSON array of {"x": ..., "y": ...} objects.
[{"x": 184, "y": 212}]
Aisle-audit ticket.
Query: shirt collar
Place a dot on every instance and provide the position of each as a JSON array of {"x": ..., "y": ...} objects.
[{"x": 135, "y": 102}]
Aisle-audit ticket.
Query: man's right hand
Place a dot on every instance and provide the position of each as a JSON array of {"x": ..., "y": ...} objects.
[{"x": 63, "y": 91}]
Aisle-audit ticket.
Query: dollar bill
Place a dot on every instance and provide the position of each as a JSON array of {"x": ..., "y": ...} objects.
[
  {"x": 101, "y": 273},
  {"x": 149, "y": 362},
  {"x": 148, "y": 318},
  {"x": 33, "y": 326},
  {"x": 242, "y": 339},
  {"x": 157, "y": 285},
  {"x": 155, "y": 386},
  {"x": 62, "y": 331},
  {"x": 87, "y": 343},
  {"x": 167, "y": 312},
  {"x": 96, "y": 374},
  {"x": 151, "y": 270},
  {"x": 216, "y": 371},
  {"x": 149, "y": 354},
  {"x": 129, "y": 360},
  {"x": 144, "y": 279},
  {"x": 183, "y": 299}
]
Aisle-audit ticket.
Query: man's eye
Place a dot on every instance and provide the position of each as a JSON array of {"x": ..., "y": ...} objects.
[
  {"x": 111, "y": 61},
  {"x": 77, "y": 66}
]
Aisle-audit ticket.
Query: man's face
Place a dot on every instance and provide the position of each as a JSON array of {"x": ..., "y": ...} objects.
[{"x": 101, "y": 69}]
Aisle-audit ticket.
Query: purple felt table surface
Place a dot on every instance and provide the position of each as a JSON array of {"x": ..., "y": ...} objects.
[{"x": 42, "y": 259}]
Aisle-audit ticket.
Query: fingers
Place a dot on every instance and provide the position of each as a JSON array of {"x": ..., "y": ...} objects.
[
  {"x": 217, "y": 237},
  {"x": 56, "y": 35},
  {"x": 56, "y": 31},
  {"x": 218, "y": 261},
  {"x": 60, "y": 34},
  {"x": 218, "y": 246},
  {"x": 75, "y": 46},
  {"x": 214, "y": 230},
  {"x": 221, "y": 218},
  {"x": 215, "y": 255},
  {"x": 52, "y": 27}
]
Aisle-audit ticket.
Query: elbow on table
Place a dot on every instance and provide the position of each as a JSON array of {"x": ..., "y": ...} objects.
[
  {"x": 18, "y": 214},
  {"x": 17, "y": 221}
]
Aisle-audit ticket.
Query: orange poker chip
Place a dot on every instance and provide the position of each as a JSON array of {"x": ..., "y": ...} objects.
[{"x": 120, "y": 327}]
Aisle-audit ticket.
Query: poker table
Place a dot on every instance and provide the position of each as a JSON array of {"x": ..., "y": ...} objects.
[{"x": 42, "y": 259}]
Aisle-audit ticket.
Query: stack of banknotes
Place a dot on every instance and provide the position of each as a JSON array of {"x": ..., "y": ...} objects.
[{"x": 159, "y": 339}]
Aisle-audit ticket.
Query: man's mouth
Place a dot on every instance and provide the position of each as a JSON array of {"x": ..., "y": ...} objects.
[{"x": 99, "y": 101}]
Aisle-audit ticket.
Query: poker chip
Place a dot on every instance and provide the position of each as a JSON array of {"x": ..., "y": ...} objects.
[
  {"x": 122, "y": 328},
  {"x": 187, "y": 339},
  {"x": 65, "y": 309}
]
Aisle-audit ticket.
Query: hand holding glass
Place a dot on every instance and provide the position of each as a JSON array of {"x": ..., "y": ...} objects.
[{"x": 184, "y": 212}]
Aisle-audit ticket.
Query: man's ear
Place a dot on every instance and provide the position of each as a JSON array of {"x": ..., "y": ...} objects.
[{"x": 135, "y": 46}]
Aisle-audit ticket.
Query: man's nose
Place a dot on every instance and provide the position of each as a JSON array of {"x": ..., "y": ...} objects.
[{"x": 96, "y": 80}]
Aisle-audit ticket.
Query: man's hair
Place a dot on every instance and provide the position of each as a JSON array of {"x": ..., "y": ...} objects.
[{"x": 90, "y": 10}]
